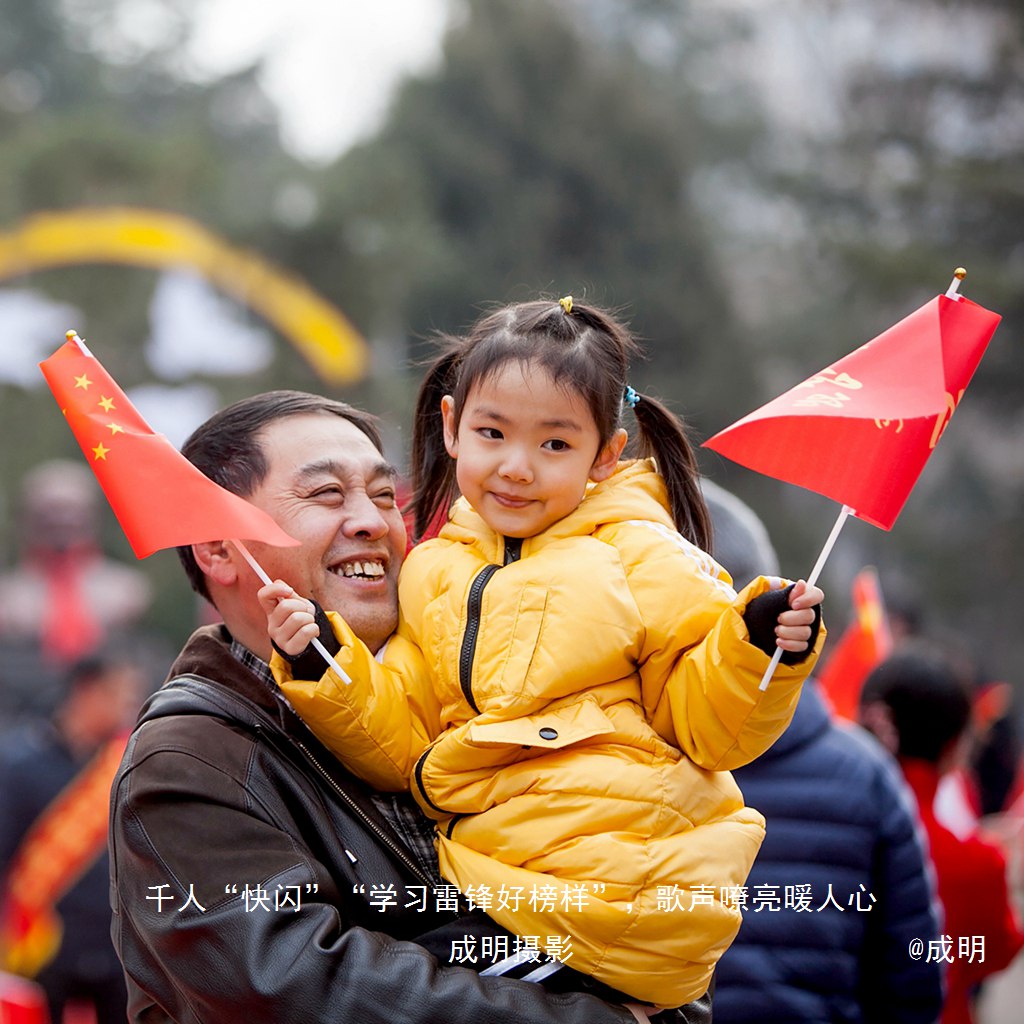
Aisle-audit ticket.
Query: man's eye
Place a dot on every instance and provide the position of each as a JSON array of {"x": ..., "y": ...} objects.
[
  {"x": 386, "y": 499},
  {"x": 332, "y": 491}
]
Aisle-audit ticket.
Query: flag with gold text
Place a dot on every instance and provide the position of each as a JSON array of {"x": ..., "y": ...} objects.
[{"x": 862, "y": 429}]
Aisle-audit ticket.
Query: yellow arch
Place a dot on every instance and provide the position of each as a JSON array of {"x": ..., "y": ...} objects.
[{"x": 152, "y": 238}]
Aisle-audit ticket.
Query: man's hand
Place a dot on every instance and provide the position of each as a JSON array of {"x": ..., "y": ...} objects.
[
  {"x": 793, "y": 628},
  {"x": 290, "y": 620}
]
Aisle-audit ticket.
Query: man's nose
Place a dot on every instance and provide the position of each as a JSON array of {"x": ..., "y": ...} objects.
[{"x": 363, "y": 518}]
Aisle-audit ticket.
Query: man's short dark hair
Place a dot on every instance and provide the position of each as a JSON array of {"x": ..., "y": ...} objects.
[
  {"x": 927, "y": 700},
  {"x": 90, "y": 669},
  {"x": 227, "y": 447}
]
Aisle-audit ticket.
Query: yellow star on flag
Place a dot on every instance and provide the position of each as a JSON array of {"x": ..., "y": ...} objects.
[
  {"x": 83, "y": 382},
  {"x": 115, "y": 428},
  {"x": 106, "y": 403},
  {"x": 99, "y": 452}
]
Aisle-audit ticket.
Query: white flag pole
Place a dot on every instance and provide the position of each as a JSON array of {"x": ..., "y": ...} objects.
[
  {"x": 317, "y": 645},
  {"x": 840, "y": 522}
]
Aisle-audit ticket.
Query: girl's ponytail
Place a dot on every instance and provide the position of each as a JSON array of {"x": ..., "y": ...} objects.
[
  {"x": 433, "y": 469},
  {"x": 662, "y": 435}
]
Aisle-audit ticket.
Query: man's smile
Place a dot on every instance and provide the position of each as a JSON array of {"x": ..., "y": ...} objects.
[{"x": 364, "y": 568}]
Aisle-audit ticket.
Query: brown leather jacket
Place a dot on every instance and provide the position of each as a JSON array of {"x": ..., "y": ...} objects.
[{"x": 225, "y": 807}]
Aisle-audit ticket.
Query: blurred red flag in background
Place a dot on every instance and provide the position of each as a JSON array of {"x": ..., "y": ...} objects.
[
  {"x": 160, "y": 499},
  {"x": 861, "y": 430},
  {"x": 866, "y": 643}
]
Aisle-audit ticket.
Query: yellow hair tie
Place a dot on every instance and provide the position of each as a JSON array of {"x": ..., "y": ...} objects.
[{"x": 566, "y": 303}]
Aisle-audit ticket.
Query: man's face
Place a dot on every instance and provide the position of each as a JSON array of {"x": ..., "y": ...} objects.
[
  {"x": 108, "y": 705},
  {"x": 329, "y": 487}
]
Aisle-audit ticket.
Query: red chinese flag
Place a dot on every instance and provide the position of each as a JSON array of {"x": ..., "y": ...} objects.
[
  {"x": 861, "y": 430},
  {"x": 160, "y": 499},
  {"x": 866, "y": 642}
]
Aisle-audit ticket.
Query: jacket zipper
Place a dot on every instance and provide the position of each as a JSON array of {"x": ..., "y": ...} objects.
[
  {"x": 363, "y": 816},
  {"x": 468, "y": 651}
]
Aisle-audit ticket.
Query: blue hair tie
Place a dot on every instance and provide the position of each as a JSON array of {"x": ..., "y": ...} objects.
[{"x": 630, "y": 397}]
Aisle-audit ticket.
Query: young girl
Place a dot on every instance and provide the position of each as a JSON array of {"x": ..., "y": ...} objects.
[{"x": 593, "y": 673}]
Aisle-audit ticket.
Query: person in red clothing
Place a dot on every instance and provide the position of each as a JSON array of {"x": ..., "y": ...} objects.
[{"x": 918, "y": 708}]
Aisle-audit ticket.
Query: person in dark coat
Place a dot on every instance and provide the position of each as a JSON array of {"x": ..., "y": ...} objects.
[
  {"x": 839, "y": 890},
  {"x": 54, "y": 868},
  {"x": 916, "y": 704}
]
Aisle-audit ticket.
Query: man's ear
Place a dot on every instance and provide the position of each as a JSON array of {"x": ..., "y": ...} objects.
[
  {"x": 216, "y": 561},
  {"x": 608, "y": 457},
  {"x": 451, "y": 434}
]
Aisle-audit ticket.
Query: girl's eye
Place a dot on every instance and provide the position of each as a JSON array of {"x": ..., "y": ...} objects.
[
  {"x": 491, "y": 433},
  {"x": 556, "y": 444}
]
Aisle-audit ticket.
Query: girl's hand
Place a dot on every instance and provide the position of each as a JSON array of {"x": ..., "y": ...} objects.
[
  {"x": 290, "y": 621},
  {"x": 793, "y": 628}
]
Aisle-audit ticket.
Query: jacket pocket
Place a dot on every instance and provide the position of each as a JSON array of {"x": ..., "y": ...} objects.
[
  {"x": 552, "y": 729},
  {"x": 522, "y": 626}
]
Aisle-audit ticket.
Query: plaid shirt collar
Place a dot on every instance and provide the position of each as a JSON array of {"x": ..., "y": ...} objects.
[
  {"x": 260, "y": 669},
  {"x": 257, "y": 666}
]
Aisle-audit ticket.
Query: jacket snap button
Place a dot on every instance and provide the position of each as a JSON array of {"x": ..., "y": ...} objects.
[{"x": 547, "y": 733}]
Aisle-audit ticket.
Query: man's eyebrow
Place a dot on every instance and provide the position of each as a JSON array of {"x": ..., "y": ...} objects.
[{"x": 331, "y": 467}]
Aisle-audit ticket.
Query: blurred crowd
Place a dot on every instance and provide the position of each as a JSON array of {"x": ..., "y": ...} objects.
[
  {"x": 75, "y": 666},
  {"x": 902, "y": 766}
]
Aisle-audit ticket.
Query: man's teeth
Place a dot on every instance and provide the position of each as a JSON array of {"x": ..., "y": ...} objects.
[{"x": 371, "y": 570}]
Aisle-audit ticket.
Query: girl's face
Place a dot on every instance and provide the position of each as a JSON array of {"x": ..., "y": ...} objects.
[{"x": 525, "y": 449}]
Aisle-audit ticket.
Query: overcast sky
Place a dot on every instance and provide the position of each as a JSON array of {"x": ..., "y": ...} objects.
[{"x": 331, "y": 64}]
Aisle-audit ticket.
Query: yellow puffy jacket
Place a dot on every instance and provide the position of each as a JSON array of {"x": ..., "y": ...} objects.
[{"x": 537, "y": 710}]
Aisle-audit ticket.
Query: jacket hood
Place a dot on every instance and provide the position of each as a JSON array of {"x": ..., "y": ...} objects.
[{"x": 634, "y": 491}]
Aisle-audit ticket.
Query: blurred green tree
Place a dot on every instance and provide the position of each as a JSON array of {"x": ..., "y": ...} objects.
[
  {"x": 759, "y": 188},
  {"x": 539, "y": 159},
  {"x": 93, "y": 114},
  {"x": 919, "y": 174},
  {"x": 889, "y": 153}
]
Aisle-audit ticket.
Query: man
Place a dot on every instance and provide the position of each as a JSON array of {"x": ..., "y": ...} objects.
[
  {"x": 254, "y": 879},
  {"x": 837, "y": 815},
  {"x": 918, "y": 707},
  {"x": 63, "y": 599},
  {"x": 54, "y": 873}
]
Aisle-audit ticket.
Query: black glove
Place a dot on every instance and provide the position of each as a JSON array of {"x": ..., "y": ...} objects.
[{"x": 762, "y": 616}]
